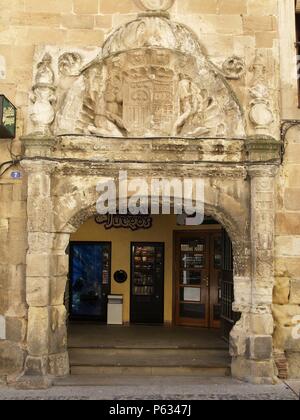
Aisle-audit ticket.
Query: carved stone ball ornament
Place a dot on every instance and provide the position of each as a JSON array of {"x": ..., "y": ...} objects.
[{"x": 155, "y": 5}]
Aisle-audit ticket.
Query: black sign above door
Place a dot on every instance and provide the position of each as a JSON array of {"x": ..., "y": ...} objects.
[{"x": 125, "y": 221}]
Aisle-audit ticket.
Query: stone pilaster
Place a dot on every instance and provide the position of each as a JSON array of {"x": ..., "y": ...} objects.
[
  {"x": 255, "y": 361},
  {"x": 46, "y": 336}
]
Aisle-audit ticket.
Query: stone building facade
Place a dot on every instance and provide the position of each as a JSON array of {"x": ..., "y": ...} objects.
[{"x": 182, "y": 88}]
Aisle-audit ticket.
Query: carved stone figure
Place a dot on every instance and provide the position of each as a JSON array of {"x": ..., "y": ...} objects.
[
  {"x": 69, "y": 64},
  {"x": 260, "y": 113},
  {"x": 152, "y": 79},
  {"x": 43, "y": 99}
]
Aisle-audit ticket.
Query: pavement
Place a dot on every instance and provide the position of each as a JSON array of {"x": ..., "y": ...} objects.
[{"x": 156, "y": 388}]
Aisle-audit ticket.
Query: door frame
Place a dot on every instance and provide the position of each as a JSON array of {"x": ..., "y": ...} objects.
[
  {"x": 189, "y": 232},
  {"x": 147, "y": 243},
  {"x": 86, "y": 318}
]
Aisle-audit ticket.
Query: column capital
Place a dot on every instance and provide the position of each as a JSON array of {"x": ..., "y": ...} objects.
[
  {"x": 38, "y": 145},
  {"x": 263, "y": 171},
  {"x": 38, "y": 166}
]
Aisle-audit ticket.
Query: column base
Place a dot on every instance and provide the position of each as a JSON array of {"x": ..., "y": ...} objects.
[
  {"x": 59, "y": 365},
  {"x": 32, "y": 382},
  {"x": 35, "y": 375},
  {"x": 255, "y": 372}
]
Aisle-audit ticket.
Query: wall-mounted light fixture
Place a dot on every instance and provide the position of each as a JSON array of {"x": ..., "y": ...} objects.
[{"x": 8, "y": 119}]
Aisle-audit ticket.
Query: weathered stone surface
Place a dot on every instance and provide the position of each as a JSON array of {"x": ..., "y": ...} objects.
[
  {"x": 259, "y": 347},
  {"x": 262, "y": 324},
  {"x": 58, "y": 290},
  {"x": 293, "y": 365},
  {"x": 36, "y": 366},
  {"x": 295, "y": 292},
  {"x": 59, "y": 364},
  {"x": 16, "y": 329},
  {"x": 254, "y": 371},
  {"x": 284, "y": 314},
  {"x": 11, "y": 358},
  {"x": 58, "y": 331},
  {"x": 37, "y": 291},
  {"x": 285, "y": 338},
  {"x": 38, "y": 331},
  {"x": 281, "y": 291}
]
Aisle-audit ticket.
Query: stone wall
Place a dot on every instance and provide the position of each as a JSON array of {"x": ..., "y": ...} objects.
[
  {"x": 286, "y": 301},
  {"x": 226, "y": 28}
]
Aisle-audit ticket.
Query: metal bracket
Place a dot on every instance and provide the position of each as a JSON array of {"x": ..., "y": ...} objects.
[{"x": 286, "y": 125}]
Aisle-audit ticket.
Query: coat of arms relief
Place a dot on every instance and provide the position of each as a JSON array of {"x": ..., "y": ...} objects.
[{"x": 152, "y": 78}]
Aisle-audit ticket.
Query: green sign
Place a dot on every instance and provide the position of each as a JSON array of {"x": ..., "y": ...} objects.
[{"x": 8, "y": 119}]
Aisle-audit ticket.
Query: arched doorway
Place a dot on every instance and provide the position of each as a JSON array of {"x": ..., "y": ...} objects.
[
  {"x": 175, "y": 300},
  {"x": 65, "y": 207}
]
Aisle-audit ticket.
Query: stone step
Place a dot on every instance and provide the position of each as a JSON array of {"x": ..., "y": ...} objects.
[
  {"x": 150, "y": 371},
  {"x": 154, "y": 362}
]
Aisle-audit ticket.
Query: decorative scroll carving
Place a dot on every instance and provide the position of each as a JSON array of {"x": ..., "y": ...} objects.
[
  {"x": 124, "y": 221},
  {"x": 234, "y": 67},
  {"x": 69, "y": 64},
  {"x": 43, "y": 98},
  {"x": 260, "y": 113}
]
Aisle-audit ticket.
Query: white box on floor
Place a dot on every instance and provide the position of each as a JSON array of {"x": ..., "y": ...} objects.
[{"x": 115, "y": 310}]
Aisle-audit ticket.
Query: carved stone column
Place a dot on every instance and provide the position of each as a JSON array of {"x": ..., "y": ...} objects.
[
  {"x": 257, "y": 364},
  {"x": 46, "y": 335}
]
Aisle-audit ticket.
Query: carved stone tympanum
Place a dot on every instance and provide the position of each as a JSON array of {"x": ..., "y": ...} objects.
[{"x": 151, "y": 79}]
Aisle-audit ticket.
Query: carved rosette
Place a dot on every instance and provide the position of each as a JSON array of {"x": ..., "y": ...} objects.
[
  {"x": 43, "y": 97},
  {"x": 234, "y": 67}
]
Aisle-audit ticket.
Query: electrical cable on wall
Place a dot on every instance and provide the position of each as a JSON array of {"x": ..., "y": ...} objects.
[{"x": 15, "y": 159}]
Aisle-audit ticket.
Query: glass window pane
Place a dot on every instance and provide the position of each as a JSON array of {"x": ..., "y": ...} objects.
[
  {"x": 192, "y": 278},
  {"x": 190, "y": 310},
  {"x": 191, "y": 260},
  {"x": 190, "y": 294}
]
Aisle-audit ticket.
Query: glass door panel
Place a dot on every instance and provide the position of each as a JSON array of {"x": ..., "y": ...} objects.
[
  {"x": 90, "y": 265},
  {"x": 192, "y": 279},
  {"x": 147, "y": 283}
]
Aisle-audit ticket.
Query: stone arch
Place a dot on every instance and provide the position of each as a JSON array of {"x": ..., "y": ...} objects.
[{"x": 225, "y": 209}]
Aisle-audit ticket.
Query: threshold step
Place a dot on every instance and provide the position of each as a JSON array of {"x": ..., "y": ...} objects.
[
  {"x": 150, "y": 371},
  {"x": 134, "y": 381},
  {"x": 149, "y": 358}
]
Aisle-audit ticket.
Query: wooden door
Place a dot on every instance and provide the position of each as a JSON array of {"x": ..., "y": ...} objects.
[{"x": 192, "y": 265}]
